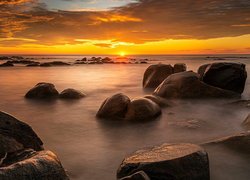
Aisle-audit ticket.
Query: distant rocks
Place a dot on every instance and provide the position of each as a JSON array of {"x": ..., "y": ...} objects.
[
  {"x": 229, "y": 76},
  {"x": 71, "y": 94},
  {"x": 22, "y": 155},
  {"x": 42, "y": 90},
  {"x": 168, "y": 161},
  {"x": 45, "y": 90},
  {"x": 188, "y": 85},
  {"x": 7, "y": 64},
  {"x": 54, "y": 63},
  {"x": 120, "y": 107}
]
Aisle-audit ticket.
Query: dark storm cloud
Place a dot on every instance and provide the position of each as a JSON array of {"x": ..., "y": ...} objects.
[{"x": 143, "y": 21}]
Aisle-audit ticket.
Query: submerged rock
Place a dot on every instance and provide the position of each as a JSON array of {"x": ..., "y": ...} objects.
[
  {"x": 156, "y": 74},
  {"x": 168, "y": 161},
  {"x": 239, "y": 142},
  {"x": 7, "y": 64},
  {"x": 71, "y": 94},
  {"x": 54, "y": 63},
  {"x": 188, "y": 85},
  {"x": 180, "y": 67},
  {"x": 42, "y": 90},
  {"x": 246, "y": 123},
  {"x": 114, "y": 107},
  {"x": 34, "y": 165},
  {"x": 229, "y": 76},
  {"x": 137, "y": 176},
  {"x": 142, "y": 109},
  {"x": 20, "y": 132}
]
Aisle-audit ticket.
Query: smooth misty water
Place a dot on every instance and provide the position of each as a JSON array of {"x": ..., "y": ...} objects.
[{"x": 93, "y": 149}]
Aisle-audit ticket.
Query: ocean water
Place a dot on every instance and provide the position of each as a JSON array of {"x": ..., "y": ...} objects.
[{"x": 90, "y": 148}]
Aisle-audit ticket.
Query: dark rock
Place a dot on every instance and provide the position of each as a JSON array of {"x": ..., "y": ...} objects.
[
  {"x": 246, "y": 123},
  {"x": 42, "y": 90},
  {"x": 33, "y": 65},
  {"x": 168, "y": 161},
  {"x": 240, "y": 104},
  {"x": 229, "y": 76},
  {"x": 188, "y": 85},
  {"x": 114, "y": 107},
  {"x": 4, "y": 58},
  {"x": 180, "y": 67},
  {"x": 54, "y": 63},
  {"x": 71, "y": 94},
  {"x": 202, "y": 69},
  {"x": 22, "y": 62},
  {"x": 137, "y": 176},
  {"x": 156, "y": 74},
  {"x": 7, "y": 64},
  {"x": 239, "y": 142},
  {"x": 142, "y": 109},
  {"x": 34, "y": 165},
  {"x": 20, "y": 132}
]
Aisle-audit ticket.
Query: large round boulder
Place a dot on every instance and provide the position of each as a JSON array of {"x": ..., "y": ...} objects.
[
  {"x": 180, "y": 67},
  {"x": 114, "y": 107},
  {"x": 20, "y": 132},
  {"x": 33, "y": 165},
  {"x": 168, "y": 161},
  {"x": 188, "y": 85},
  {"x": 229, "y": 76},
  {"x": 142, "y": 109},
  {"x": 155, "y": 74},
  {"x": 71, "y": 94},
  {"x": 42, "y": 90}
]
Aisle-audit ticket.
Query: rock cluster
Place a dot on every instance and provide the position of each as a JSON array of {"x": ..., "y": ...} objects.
[
  {"x": 119, "y": 106},
  {"x": 22, "y": 155},
  {"x": 45, "y": 90}
]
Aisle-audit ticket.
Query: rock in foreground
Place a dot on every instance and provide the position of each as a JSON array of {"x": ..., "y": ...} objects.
[
  {"x": 71, "y": 94},
  {"x": 246, "y": 123},
  {"x": 114, "y": 107},
  {"x": 42, "y": 90},
  {"x": 155, "y": 74},
  {"x": 229, "y": 76},
  {"x": 142, "y": 109},
  {"x": 137, "y": 176},
  {"x": 188, "y": 85},
  {"x": 180, "y": 67},
  {"x": 168, "y": 161},
  {"x": 35, "y": 165}
]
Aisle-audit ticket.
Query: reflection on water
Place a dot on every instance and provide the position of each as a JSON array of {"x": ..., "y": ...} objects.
[{"x": 93, "y": 149}]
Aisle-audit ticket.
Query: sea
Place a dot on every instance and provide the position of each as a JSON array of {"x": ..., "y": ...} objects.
[{"x": 92, "y": 149}]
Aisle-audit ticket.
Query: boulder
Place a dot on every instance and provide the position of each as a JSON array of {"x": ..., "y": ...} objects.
[
  {"x": 229, "y": 76},
  {"x": 114, "y": 107},
  {"x": 238, "y": 142},
  {"x": 202, "y": 69},
  {"x": 20, "y": 132},
  {"x": 142, "y": 109},
  {"x": 246, "y": 123},
  {"x": 71, "y": 94},
  {"x": 137, "y": 176},
  {"x": 240, "y": 104},
  {"x": 188, "y": 85},
  {"x": 34, "y": 165},
  {"x": 42, "y": 90},
  {"x": 156, "y": 74},
  {"x": 180, "y": 67},
  {"x": 168, "y": 161}
]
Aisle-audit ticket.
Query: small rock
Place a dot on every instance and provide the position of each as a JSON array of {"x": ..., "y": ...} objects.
[
  {"x": 180, "y": 67},
  {"x": 168, "y": 161},
  {"x": 71, "y": 94},
  {"x": 7, "y": 64}
]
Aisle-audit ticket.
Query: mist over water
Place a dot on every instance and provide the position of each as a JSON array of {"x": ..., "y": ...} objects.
[{"x": 90, "y": 148}]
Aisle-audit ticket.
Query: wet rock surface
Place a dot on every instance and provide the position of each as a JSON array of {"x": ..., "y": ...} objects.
[
  {"x": 42, "y": 90},
  {"x": 141, "y": 175},
  {"x": 229, "y": 76},
  {"x": 168, "y": 161},
  {"x": 188, "y": 85}
]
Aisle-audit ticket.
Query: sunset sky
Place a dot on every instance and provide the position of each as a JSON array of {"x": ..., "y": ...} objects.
[{"x": 129, "y": 26}]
